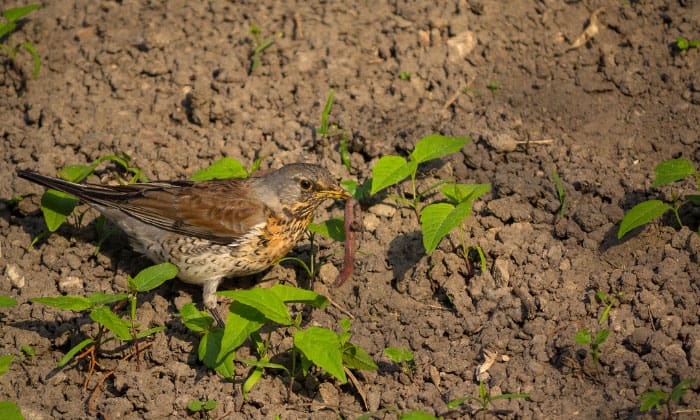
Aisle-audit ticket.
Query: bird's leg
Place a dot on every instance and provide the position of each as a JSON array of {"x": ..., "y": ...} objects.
[
  {"x": 215, "y": 313},
  {"x": 209, "y": 298}
]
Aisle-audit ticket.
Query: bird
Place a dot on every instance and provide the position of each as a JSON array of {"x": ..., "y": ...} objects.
[{"x": 215, "y": 229}]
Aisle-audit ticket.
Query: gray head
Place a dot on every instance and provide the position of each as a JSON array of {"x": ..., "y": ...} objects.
[{"x": 300, "y": 185}]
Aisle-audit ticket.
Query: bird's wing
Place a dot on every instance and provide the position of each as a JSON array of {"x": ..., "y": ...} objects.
[{"x": 220, "y": 211}]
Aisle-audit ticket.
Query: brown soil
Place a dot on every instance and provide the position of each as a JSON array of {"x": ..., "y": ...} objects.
[{"x": 169, "y": 84}]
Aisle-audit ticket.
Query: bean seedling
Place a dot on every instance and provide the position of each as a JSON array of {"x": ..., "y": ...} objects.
[
  {"x": 11, "y": 16},
  {"x": 655, "y": 398},
  {"x": 8, "y": 409},
  {"x": 392, "y": 170},
  {"x": 484, "y": 399},
  {"x": 561, "y": 193},
  {"x": 202, "y": 407},
  {"x": 260, "y": 46},
  {"x": 666, "y": 173},
  {"x": 334, "y": 131},
  {"x": 254, "y": 309},
  {"x": 683, "y": 44},
  {"x": 111, "y": 325},
  {"x": 401, "y": 356}
]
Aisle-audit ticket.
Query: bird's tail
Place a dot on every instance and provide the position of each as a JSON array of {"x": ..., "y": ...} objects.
[{"x": 86, "y": 192}]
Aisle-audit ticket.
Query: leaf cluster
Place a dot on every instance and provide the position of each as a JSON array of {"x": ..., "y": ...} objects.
[
  {"x": 10, "y": 17},
  {"x": 655, "y": 398},
  {"x": 666, "y": 173},
  {"x": 438, "y": 219},
  {"x": 97, "y": 305},
  {"x": 257, "y": 309}
]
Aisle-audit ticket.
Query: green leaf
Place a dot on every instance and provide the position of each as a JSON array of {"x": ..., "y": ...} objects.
[
  {"x": 6, "y": 302},
  {"x": 265, "y": 301},
  {"x": 359, "y": 192},
  {"x": 221, "y": 169},
  {"x": 601, "y": 336},
  {"x": 72, "y": 352},
  {"x": 322, "y": 347},
  {"x": 641, "y": 214},
  {"x": 5, "y": 363},
  {"x": 680, "y": 389},
  {"x": 241, "y": 321},
  {"x": 652, "y": 399},
  {"x": 671, "y": 171},
  {"x": 250, "y": 382},
  {"x": 35, "y": 57},
  {"x": 332, "y": 228},
  {"x": 208, "y": 352},
  {"x": 436, "y": 146},
  {"x": 389, "y": 170},
  {"x": 195, "y": 406},
  {"x": 583, "y": 337},
  {"x": 28, "y": 351},
  {"x": 465, "y": 192},
  {"x": 323, "y": 130},
  {"x": 693, "y": 198},
  {"x": 459, "y": 401},
  {"x": 104, "y": 316},
  {"x": 209, "y": 405},
  {"x": 291, "y": 294},
  {"x": 16, "y": 13},
  {"x": 194, "y": 319},
  {"x": 437, "y": 220},
  {"x": 150, "y": 331},
  {"x": 355, "y": 357},
  {"x": 417, "y": 415},
  {"x": 10, "y": 411},
  {"x": 152, "y": 277},
  {"x": 4, "y": 30},
  {"x": 100, "y": 298},
  {"x": 73, "y": 303},
  {"x": 682, "y": 43},
  {"x": 56, "y": 206},
  {"x": 264, "y": 364},
  {"x": 399, "y": 355},
  {"x": 76, "y": 173},
  {"x": 345, "y": 324}
]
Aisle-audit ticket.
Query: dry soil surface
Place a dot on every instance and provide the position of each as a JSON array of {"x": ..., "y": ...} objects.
[{"x": 169, "y": 83}]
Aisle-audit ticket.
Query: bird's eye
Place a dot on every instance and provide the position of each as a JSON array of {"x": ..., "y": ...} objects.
[{"x": 305, "y": 184}]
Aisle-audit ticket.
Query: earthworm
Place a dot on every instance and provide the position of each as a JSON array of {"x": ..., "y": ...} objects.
[{"x": 351, "y": 209}]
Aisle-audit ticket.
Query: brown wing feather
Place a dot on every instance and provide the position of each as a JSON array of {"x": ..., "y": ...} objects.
[{"x": 219, "y": 211}]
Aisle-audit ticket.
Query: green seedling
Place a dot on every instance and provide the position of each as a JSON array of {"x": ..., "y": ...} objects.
[
  {"x": 608, "y": 302},
  {"x": 260, "y": 46},
  {"x": 494, "y": 86},
  {"x": 224, "y": 168},
  {"x": 401, "y": 356},
  {"x": 561, "y": 193},
  {"x": 7, "y": 302},
  {"x": 666, "y": 173},
  {"x": 683, "y": 44},
  {"x": 57, "y": 206},
  {"x": 202, "y": 407},
  {"x": 10, "y": 17},
  {"x": 404, "y": 75},
  {"x": 392, "y": 170},
  {"x": 254, "y": 309},
  {"x": 112, "y": 326},
  {"x": 586, "y": 338},
  {"x": 28, "y": 351},
  {"x": 334, "y": 131},
  {"x": 438, "y": 220},
  {"x": 8, "y": 410},
  {"x": 654, "y": 399},
  {"x": 485, "y": 399}
]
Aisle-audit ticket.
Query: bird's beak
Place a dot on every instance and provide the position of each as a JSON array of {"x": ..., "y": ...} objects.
[{"x": 335, "y": 191}]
